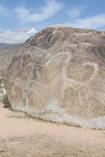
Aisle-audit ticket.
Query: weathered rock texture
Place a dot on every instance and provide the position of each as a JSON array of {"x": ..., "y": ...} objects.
[{"x": 59, "y": 75}]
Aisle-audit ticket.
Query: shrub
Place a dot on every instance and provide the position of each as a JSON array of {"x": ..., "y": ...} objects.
[
  {"x": 3, "y": 75},
  {"x": 0, "y": 81},
  {"x": 5, "y": 101}
]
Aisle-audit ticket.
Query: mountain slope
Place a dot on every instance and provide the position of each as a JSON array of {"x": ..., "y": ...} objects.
[{"x": 7, "y": 52}]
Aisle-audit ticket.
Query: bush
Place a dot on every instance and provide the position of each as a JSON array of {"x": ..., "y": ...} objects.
[
  {"x": 5, "y": 101},
  {"x": 0, "y": 81}
]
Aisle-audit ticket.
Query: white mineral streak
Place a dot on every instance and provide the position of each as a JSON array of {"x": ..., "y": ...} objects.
[{"x": 97, "y": 123}]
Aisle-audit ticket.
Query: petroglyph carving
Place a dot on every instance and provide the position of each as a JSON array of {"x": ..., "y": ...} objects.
[{"x": 59, "y": 75}]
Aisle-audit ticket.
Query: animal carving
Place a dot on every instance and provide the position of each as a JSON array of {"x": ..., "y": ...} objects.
[{"x": 58, "y": 75}]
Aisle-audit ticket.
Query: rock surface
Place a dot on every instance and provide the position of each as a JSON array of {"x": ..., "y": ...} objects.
[{"x": 59, "y": 75}]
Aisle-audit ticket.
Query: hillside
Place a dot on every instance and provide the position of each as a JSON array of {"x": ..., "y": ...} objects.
[{"x": 7, "y": 52}]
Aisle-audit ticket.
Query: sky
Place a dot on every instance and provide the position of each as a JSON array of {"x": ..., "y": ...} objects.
[{"x": 20, "y": 19}]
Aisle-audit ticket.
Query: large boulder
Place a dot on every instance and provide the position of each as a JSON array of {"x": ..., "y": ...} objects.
[{"x": 59, "y": 75}]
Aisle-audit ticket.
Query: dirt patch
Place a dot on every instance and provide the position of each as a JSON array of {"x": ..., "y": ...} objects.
[{"x": 27, "y": 137}]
